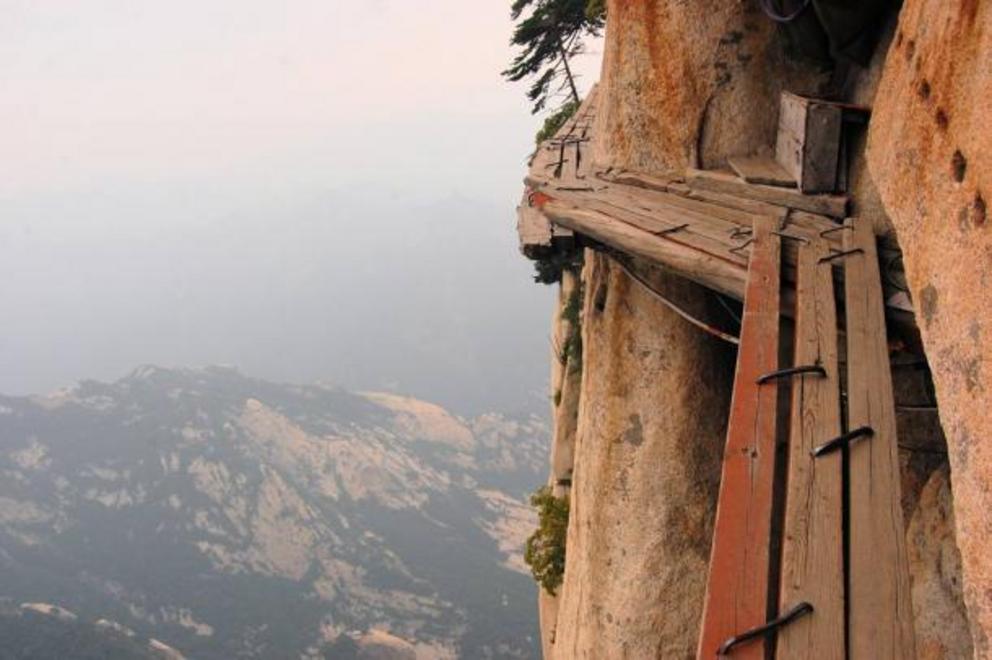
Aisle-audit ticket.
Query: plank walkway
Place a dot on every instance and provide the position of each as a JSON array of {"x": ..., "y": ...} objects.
[
  {"x": 813, "y": 547},
  {"x": 697, "y": 224},
  {"x": 881, "y": 613},
  {"x": 737, "y": 587}
]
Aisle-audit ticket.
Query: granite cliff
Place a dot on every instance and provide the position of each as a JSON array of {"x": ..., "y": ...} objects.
[{"x": 640, "y": 416}]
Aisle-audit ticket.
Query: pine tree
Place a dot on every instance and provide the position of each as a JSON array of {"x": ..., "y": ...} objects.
[{"x": 549, "y": 36}]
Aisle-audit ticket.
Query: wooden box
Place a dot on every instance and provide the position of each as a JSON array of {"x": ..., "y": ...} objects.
[{"x": 809, "y": 142}]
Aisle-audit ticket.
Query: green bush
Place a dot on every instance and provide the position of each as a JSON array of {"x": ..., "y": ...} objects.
[
  {"x": 572, "y": 350},
  {"x": 596, "y": 10},
  {"x": 554, "y": 121},
  {"x": 545, "y": 551}
]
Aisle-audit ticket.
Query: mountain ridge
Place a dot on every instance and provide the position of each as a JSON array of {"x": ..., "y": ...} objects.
[{"x": 233, "y": 517}]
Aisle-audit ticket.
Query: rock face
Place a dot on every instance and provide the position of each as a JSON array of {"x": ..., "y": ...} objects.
[
  {"x": 930, "y": 154},
  {"x": 652, "y": 417},
  {"x": 690, "y": 83},
  {"x": 935, "y": 564}
]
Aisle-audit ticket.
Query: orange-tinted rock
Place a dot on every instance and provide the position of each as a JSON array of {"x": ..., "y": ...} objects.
[
  {"x": 935, "y": 565},
  {"x": 930, "y": 154},
  {"x": 690, "y": 83},
  {"x": 652, "y": 416}
]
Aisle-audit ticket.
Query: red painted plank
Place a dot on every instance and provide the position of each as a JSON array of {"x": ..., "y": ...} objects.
[{"x": 737, "y": 587}]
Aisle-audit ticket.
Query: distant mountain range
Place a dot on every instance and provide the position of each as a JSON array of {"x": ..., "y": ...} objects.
[{"x": 228, "y": 517}]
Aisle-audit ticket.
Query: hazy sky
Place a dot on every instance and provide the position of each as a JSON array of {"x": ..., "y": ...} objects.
[{"x": 304, "y": 189}]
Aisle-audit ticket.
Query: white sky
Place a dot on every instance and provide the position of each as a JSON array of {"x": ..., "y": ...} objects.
[
  {"x": 289, "y": 93},
  {"x": 158, "y": 153}
]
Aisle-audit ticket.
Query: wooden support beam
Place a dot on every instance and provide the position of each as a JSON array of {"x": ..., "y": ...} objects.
[
  {"x": 737, "y": 587},
  {"x": 812, "y": 567},
  {"x": 881, "y": 613},
  {"x": 834, "y": 206}
]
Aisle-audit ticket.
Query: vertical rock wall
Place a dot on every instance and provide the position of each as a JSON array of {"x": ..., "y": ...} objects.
[
  {"x": 935, "y": 563},
  {"x": 930, "y": 154},
  {"x": 652, "y": 416},
  {"x": 690, "y": 83},
  {"x": 566, "y": 381}
]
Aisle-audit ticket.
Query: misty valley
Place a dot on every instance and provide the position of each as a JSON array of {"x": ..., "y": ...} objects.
[{"x": 229, "y": 517}]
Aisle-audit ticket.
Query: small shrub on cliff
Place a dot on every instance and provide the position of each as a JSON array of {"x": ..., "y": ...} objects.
[
  {"x": 545, "y": 551},
  {"x": 596, "y": 10},
  {"x": 554, "y": 121},
  {"x": 572, "y": 312}
]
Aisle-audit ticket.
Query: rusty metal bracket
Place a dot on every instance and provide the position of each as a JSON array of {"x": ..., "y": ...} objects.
[
  {"x": 843, "y": 440},
  {"x": 672, "y": 230},
  {"x": 792, "y": 371},
  {"x": 788, "y": 617},
  {"x": 736, "y": 250},
  {"x": 837, "y": 228},
  {"x": 792, "y": 237},
  {"x": 840, "y": 255}
]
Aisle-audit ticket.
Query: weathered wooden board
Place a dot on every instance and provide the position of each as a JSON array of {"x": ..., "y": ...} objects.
[
  {"x": 881, "y": 614},
  {"x": 533, "y": 228},
  {"x": 739, "y": 203},
  {"x": 718, "y": 274},
  {"x": 711, "y": 217},
  {"x": 808, "y": 142},
  {"x": 834, "y": 206},
  {"x": 737, "y": 585},
  {"x": 812, "y": 568},
  {"x": 698, "y": 234},
  {"x": 761, "y": 169},
  {"x": 663, "y": 183}
]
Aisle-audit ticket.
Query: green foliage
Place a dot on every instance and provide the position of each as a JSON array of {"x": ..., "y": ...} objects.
[
  {"x": 545, "y": 551},
  {"x": 549, "y": 35},
  {"x": 572, "y": 350},
  {"x": 596, "y": 10},
  {"x": 554, "y": 121}
]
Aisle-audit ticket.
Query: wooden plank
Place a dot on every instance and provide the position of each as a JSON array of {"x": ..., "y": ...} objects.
[
  {"x": 730, "y": 217},
  {"x": 739, "y": 203},
  {"x": 737, "y": 584},
  {"x": 812, "y": 547},
  {"x": 718, "y": 274},
  {"x": 761, "y": 169},
  {"x": 712, "y": 220},
  {"x": 697, "y": 235},
  {"x": 662, "y": 183},
  {"x": 791, "y": 134},
  {"x": 834, "y": 206},
  {"x": 881, "y": 615},
  {"x": 533, "y": 228}
]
